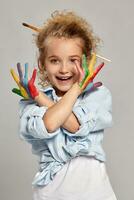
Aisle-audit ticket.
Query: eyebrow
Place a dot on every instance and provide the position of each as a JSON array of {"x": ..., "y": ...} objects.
[
  {"x": 52, "y": 56},
  {"x": 69, "y": 56},
  {"x": 75, "y": 56}
]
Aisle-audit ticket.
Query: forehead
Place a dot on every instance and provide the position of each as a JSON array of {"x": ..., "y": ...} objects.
[{"x": 64, "y": 45}]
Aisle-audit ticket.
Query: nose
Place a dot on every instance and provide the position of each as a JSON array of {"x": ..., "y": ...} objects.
[{"x": 64, "y": 68}]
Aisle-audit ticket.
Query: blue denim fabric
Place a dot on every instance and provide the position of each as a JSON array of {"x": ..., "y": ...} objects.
[{"x": 93, "y": 110}]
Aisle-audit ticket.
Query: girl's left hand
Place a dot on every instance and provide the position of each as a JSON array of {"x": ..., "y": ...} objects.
[{"x": 87, "y": 74}]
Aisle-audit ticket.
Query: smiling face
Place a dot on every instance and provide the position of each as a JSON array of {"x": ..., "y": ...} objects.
[{"x": 60, "y": 62}]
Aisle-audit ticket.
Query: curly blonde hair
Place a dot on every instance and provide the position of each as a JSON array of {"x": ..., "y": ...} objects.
[{"x": 68, "y": 25}]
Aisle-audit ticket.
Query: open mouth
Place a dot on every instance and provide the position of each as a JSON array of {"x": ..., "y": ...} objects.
[{"x": 64, "y": 78}]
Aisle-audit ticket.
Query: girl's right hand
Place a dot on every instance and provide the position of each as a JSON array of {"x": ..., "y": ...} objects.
[{"x": 27, "y": 87}]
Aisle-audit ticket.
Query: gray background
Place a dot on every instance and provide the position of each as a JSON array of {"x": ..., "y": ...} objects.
[{"x": 113, "y": 22}]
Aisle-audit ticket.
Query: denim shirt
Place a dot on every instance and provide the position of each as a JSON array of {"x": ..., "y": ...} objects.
[{"x": 93, "y": 110}]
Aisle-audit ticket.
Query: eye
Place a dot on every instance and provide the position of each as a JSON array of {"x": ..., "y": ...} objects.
[
  {"x": 74, "y": 59},
  {"x": 54, "y": 61}
]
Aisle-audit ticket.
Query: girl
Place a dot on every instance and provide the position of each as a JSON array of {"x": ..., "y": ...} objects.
[{"x": 63, "y": 123}]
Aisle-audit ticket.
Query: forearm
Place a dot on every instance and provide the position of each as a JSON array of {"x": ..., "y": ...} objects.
[
  {"x": 43, "y": 100},
  {"x": 65, "y": 116},
  {"x": 57, "y": 114},
  {"x": 71, "y": 124}
]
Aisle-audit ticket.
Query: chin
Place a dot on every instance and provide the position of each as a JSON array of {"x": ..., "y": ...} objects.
[
  {"x": 62, "y": 90},
  {"x": 63, "y": 87}
]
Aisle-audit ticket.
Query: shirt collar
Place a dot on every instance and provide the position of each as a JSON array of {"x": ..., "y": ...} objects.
[{"x": 50, "y": 91}]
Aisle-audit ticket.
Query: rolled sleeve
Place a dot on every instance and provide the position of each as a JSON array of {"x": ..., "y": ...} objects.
[
  {"x": 31, "y": 122},
  {"x": 94, "y": 112}
]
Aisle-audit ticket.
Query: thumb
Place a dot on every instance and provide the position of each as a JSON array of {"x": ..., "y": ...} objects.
[
  {"x": 80, "y": 71},
  {"x": 33, "y": 76}
]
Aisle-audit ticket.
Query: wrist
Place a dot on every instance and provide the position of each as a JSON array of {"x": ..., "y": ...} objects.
[
  {"x": 43, "y": 100},
  {"x": 77, "y": 88},
  {"x": 37, "y": 97}
]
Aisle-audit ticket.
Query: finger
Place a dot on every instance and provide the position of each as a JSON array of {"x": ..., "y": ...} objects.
[
  {"x": 97, "y": 70},
  {"x": 92, "y": 63},
  {"x": 32, "y": 88},
  {"x": 17, "y": 91},
  {"x": 25, "y": 81},
  {"x": 84, "y": 82},
  {"x": 89, "y": 86},
  {"x": 92, "y": 86},
  {"x": 15, "y": 77},
  {"x": 84, "y": 65},
  {"x": 85, "y": 70},
  {"x": 90, "y": 79},
  {"x": 24, "y": 92},
  {"x": 26, "y": 73},
  {"x": 20, "y": 72},
  {"x": 98, "y": 84},
  {"x": 79, "y": 70},
  {"x": 33, "y": 76}
]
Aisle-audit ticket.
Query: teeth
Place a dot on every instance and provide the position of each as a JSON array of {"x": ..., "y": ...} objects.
[{"x": 64, "y": 78}]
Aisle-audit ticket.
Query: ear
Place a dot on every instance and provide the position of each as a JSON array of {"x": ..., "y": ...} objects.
[{"x": 40, "y": 66}]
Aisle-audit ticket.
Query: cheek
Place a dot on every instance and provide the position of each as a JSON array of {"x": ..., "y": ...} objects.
[
  {"x": 76, "y": 73},
  {"x": 49, "y": 68},
  {"x": 51, "y": 71}
]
